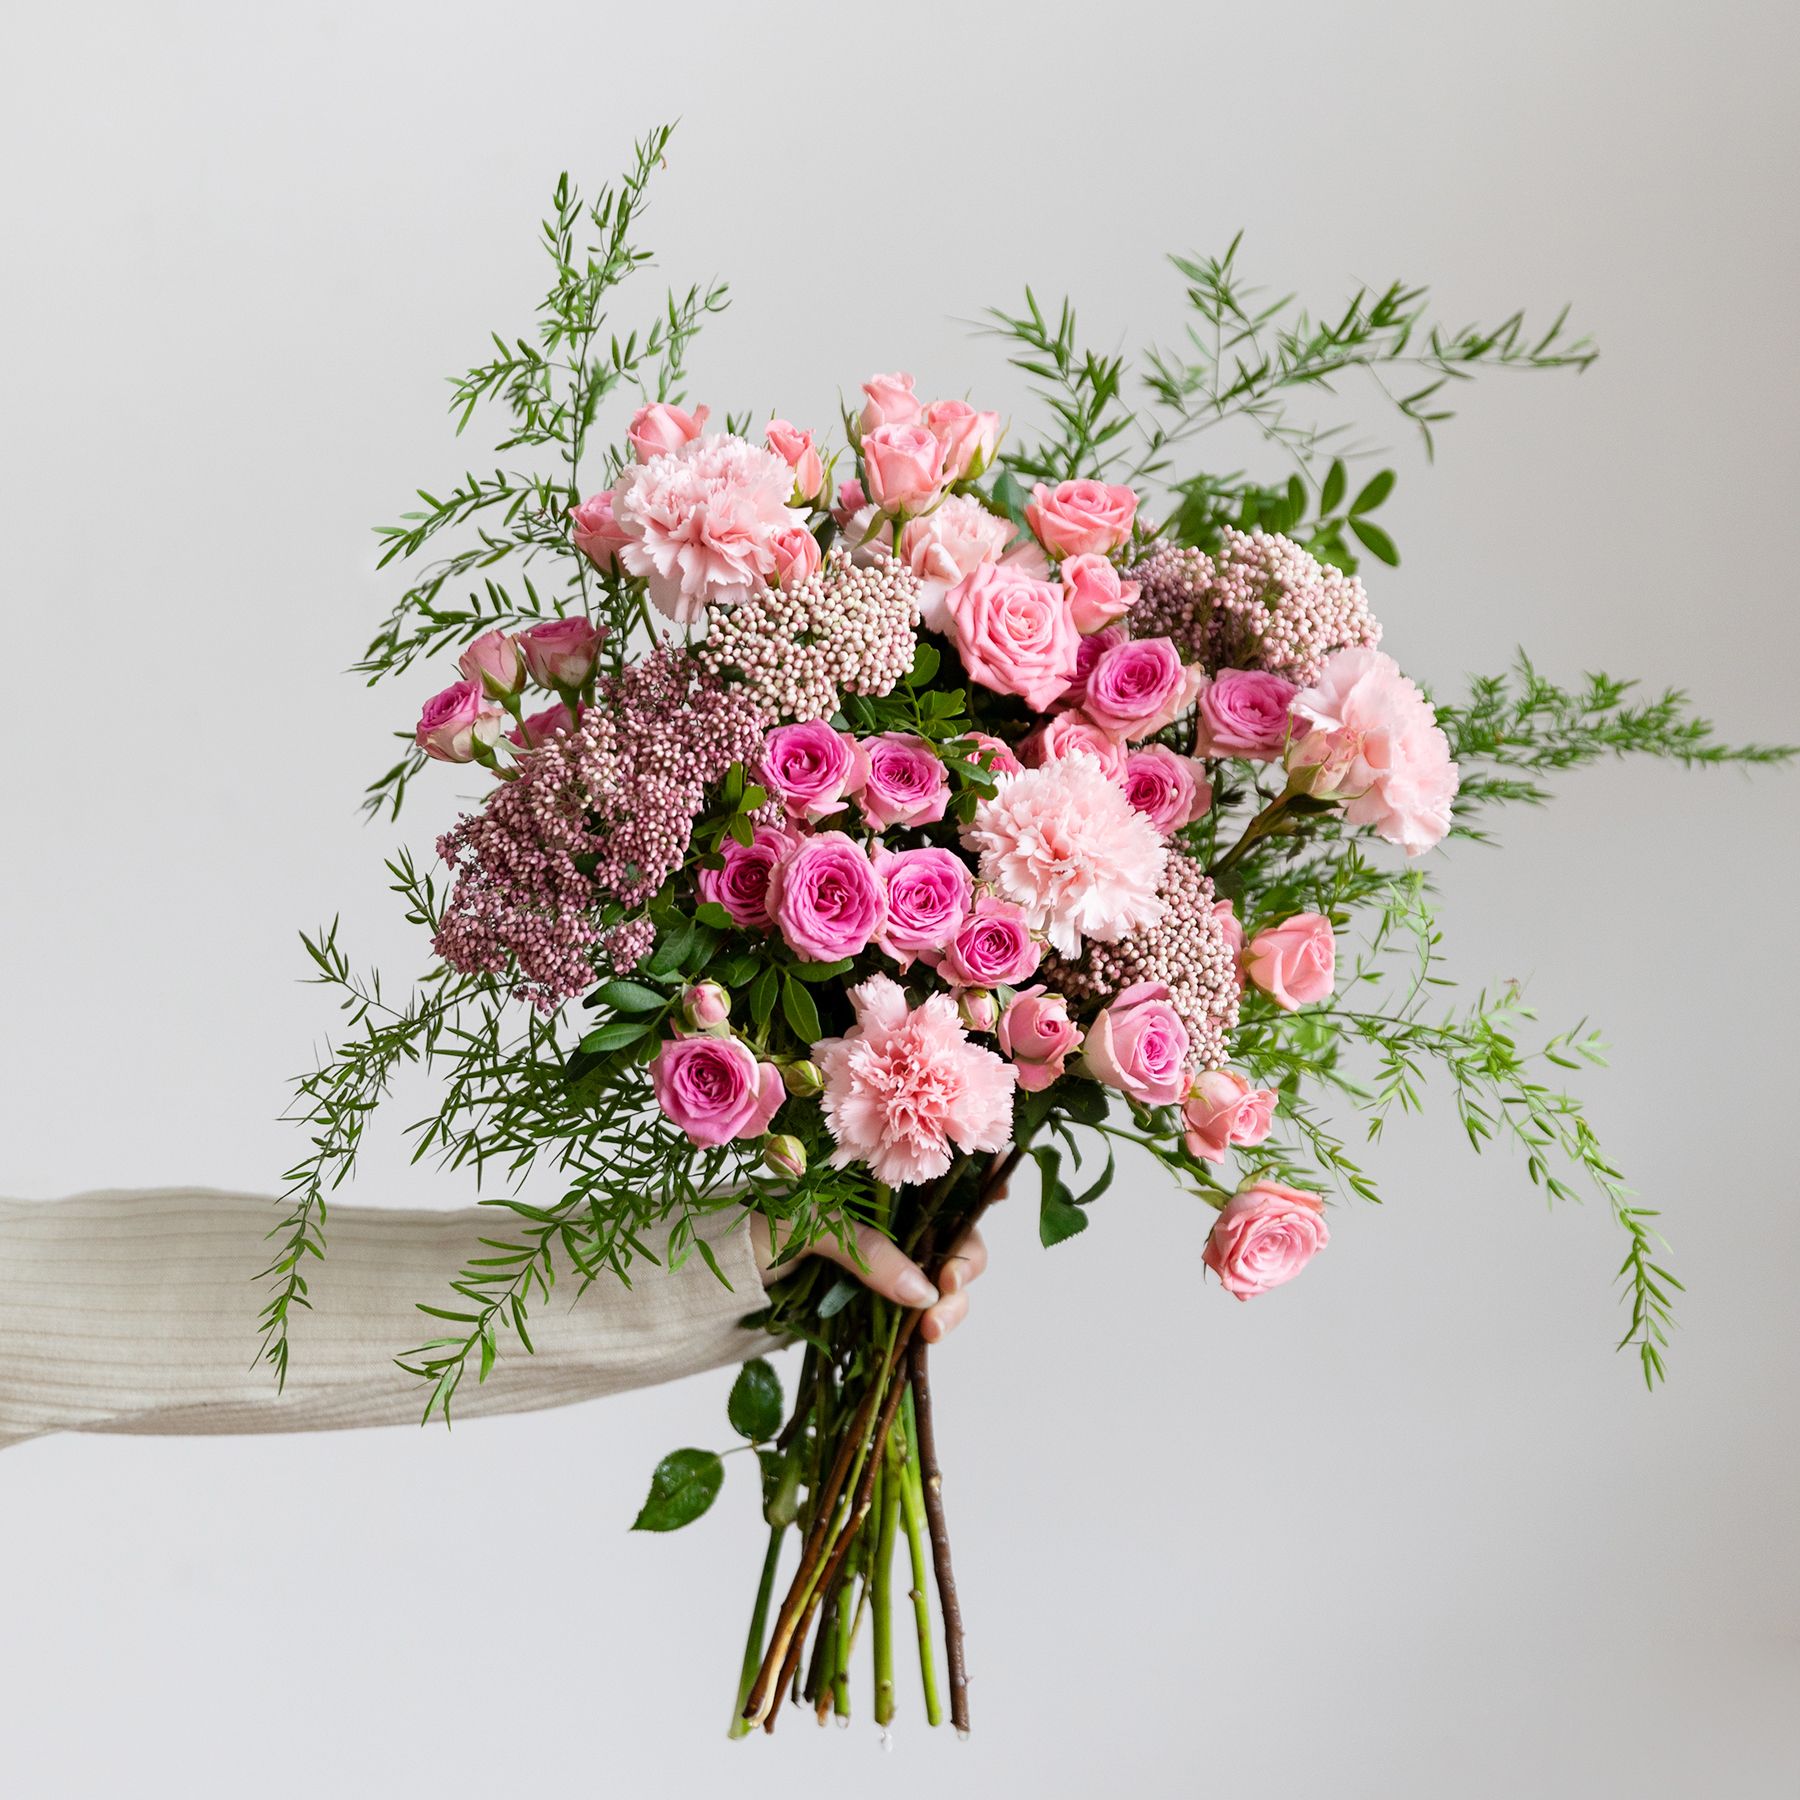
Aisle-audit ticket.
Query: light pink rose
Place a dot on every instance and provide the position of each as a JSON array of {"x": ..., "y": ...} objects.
[
  {"x": 795, "y": 448},
  {"x": 904, "y": 466},
  {"x": 904, "y": 781},
  {"x": 797, "y": 556},
  {"x": 1096, "y": 594},
  {"x": 1081, "y": 518},
  {"x": 560, "y": 653},
  {"x": 811, "y": 769},
  {"x": 493, "y": 661},
  {"x": 658, "y": 428},
  {"x": 891, "y": 401},
  {"x": 552, "y": 721},
  {"x": 825, "y": 899},
  {"x": 1169, "y": 790},
  {"x": 952, "y": 540},
  {"x": 928, "y": 893},
  {"x": 458, "y": 724},
  {"x": 596, "y": 532},
  {"x": 1140, "y": 1046},
  {"x": 978, "y": 1009},
  {"x": 1266, "y": 1235},
  {"x": 1136, "y": 688},
  {"x": 992, "y": 948},
  {"x": 741, "y": 884},
  {"x": 1088, "y": 652},
  {"x": 1295, "y": 962},
  {"x": 705, "y": 1005},
  {"x": 1014, "y": 634},
  {"x": 1244, "y": 712},
  {"x": 1038, "y": 1034},
  {"x": 995, "y": 754},
  {"x": 1067, "y": 734},
  {"x": 969, "y": 437},
  {"x": 1232, "y": 926},
  {"x": 850, "y": 501},
  {"x": 1223, "y": 1109},
  {"x": 714, "y": 1089}
]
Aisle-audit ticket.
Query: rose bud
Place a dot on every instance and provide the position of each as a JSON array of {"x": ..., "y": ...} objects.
[
  {"x": 802, "y": 1079},
  {"x": 706, "y": 1005},
  {"x": 493, "y": 661},
  {"x": 891, "y": 401},
  {"x": 980, "y": 1011},
  {"x": 970, "y": 438},
  {"x": 657, "y": 429},
  {"x": 797, "y": 556},
  {"x": 560, "y": 653},
  {"x": 904, "y": 466},
  {"x": 785, "y": 1155},
  {"x": 596, "y": 531},
  {"x": 795, "y": 448},
  {"x": 458, "y": 726}
]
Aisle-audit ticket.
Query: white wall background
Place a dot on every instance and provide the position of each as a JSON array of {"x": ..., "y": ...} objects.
[{"x": 1407, "y": 1528}]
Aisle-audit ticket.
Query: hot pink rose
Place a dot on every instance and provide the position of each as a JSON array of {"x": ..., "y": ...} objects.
[
  {"x": 824, "y": 898},
  {"x": 904, "y": 465},
  {"x": 1266, "y": 1235},
  {"x": 1071, "y": 734},
  {"x": 795, "y": 448},
  {"x": 537, "y": 730},
  {"x": 969, "y": 437},
  {"x": 811, "y": 769},
  {"x": 891, "y": 401},
  {"x": 904, "y": 781},
  {"x": 995, "y": 754},
  {"x": 596, "y": 532},
  {"x": 1081, "y": 518},
  {"x": 560, "y": 653},
  {"x": 1223, "y": 1109},
  {"x": 1014, "y": 634},
  {"x": 494, "y": 662},
  {"x": 458, "y": 724},
  {"x": 1170, "y": 790},
  {"x": 797, "y": 556},
  {"x": 1038, "y": 1034},
  {"x": 929, "y": 893},
  {"x": 714, "y": 1089},
  {"x": 1244, "y": 712},
  {"x": 992, "y": 948},
  {"x": 741, "y": 885},
  {"x": 1136, "y": 688},
  {"x": 1140, "y": 1046},
  {"x": 952, "y": 540},
  {"x": 1096, "y": 594},
  {"x": 1088, "y": 652},
  {"x": 1295, "y": 962},
  {"x": 658, "y": 428}
]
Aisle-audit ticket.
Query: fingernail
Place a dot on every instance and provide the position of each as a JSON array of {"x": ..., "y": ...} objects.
[{"x": 915, "y": 1290}]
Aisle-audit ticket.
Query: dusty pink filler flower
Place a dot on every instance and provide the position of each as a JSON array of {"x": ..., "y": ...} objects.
[{"x": 902, "y": 1087}]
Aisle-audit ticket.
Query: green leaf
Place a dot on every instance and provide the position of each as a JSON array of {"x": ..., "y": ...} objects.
[
  {"x": 925, "y": 665},
  {"x": 614, "y": 1034},
  {"x": 800, "y": 1012},
  {"x": 1375, "y": 490},
  {"x": 710, "y": 912},
  {"x": 1059, "y": 1218},
  {"x": 838, "y": 1296},
  {"x": 1084, "y": 1101},
  {"x": 762, "y": 995},
  {"x": 816, "y": 972},
  {"x": 685, "y": 1484},
  {"x": 630, "y": 997},
  {"x": 754, "y": 1408},
  {"x": 1337, "y": 478},
  {"x": 1376, "y": 541},
  {"x": 1010, "y": 496}
]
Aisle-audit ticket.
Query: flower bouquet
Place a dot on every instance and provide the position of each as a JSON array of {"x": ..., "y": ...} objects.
[{"x": 861, "y": 821}]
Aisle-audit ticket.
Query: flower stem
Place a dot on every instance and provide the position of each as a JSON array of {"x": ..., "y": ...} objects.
[
  {"x": 948, "y": 1598},
  {"x": 1271, "y": 819},
  {"x": 881, "y": 1583},
  {"x": 912, "y": 1503},
  {"x": 759, "y": 1619},
  {"x": 846, "y": 1640}
]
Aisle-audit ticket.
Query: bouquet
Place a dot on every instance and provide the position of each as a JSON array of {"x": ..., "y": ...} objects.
[{"x": 868, "y": 813}]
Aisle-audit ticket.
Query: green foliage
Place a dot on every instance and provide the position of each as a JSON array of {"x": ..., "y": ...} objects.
[
  {"x": 685, "y": 1484},
  {"x": 754, "y": 1407}
]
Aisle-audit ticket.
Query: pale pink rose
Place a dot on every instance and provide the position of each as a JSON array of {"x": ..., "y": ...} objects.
[
  {"x": 904, "y": 1086},
  {"x": 891, "y": 401},
  {"x": 994, "y": 754},
  {"x": 1295, "y": 962},
  {"x": 1222, "y": 1109},
  {"x": 658, "y": 428},
  {"x": 970, "y": 438},
  {"x": 797, "y": 556},
  {"x": 1088, "y": 652},
  {"x": 493, "y": 660},
  {"x": 1374, "y": 741},
  {"x": 1067, "y": 734},
  {"x": 1266, "y": 1235},
  {"x": 904, "y": 467},
  {"x": 1168, "y": 789},
  {"x": 993, "y": 947},
  {"x": 741, "y": 884},
  {"x": 1065, "y": 843},
  {"x": 595, "y": 531},
  {"x": 714, "y": 1089},
  {"x": 811, "y": 769},
  {"x": 1081, "y": 518},
  {"x": 825, "y": 899},
  {"x": 1038, "y": 1034},
  {"x": 1233, "y": 928},
  {"x": 1096, "y": 594},
  {"x": 534, "y": 732},
  {"x": 904, "y": 781},
  {"x": 795, "y": 448},
  {"x": 1139, "y": 1045},
  {"x": 928, "y": 894},
  {"x": 952, "y": 540},
  {"x": 458, "y": 724},
  {"x": 1244, "y": 712},
  {"x": 1014, "y": 634},
  {"x": 1136, "y": 688},
  {"x": 850, "y": 501},
  {"x": 978, "y": 1010},
  {"x": 560, "y": 653}
]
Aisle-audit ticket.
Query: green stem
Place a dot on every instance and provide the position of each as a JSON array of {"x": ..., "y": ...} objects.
[
  {"x": 759, "y": 1621},
  {"x": 846, "y": 1637},
  {"x": 881, "y": 1584},
  {"x": 912, "y": 1503},
  {"x": 1271, "y": 819}
]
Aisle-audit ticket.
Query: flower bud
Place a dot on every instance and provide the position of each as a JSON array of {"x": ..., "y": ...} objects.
[
  {"x": 706, "y": 1005},
  {"x": 493, "y": 662},
  {"x": 978, "y": 1009},
  {"x": 802, "y": 1079},
  {"x": 785, "y": 1155}
]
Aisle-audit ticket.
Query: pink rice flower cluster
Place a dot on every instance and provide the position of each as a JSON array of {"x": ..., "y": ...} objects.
[{"x": 791, "y": 651}]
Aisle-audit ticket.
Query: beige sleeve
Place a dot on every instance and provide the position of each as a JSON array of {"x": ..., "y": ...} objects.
[{"x": 136, "y": 1312}]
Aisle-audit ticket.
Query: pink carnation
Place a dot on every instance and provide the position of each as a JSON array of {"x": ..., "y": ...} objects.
[
  {"x": 928, "y": 893},
  {"x": 904, "y": 781},
  {"x": 1168, "y": 789},
  {"x": 825, "y": 899},
  {"x": 741, "y": 884},
  {"x": 1266, "y": 1235},
  {"x": 902, "y": 1087}
]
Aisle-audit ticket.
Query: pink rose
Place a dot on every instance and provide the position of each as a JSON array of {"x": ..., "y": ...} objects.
[
  {"x": 993, "y": 753},
  {"x": 560, "y": 653},
  {"x": 1014, "y": 634},
  {"x": 1081, "y": 518},
  {"x": 1170, "y": 790},
  {"x": 597, "y": 533},
  {"x": 904, "y": 465},
  {"x": 795, "y": 448},
  {"x": 741, "y": 884},
  {"x": 850, "y": 501},
  {"x": 969, "y": 437},
  {"x": 928, "y": 894},
  {"x": 891, "y": 401},
  {"x": 1038, "y": 1034},
  {"x": 1233, "y": 928},
  {"x": 825, "y": 899},
  {"x": 904, "y": 781},
  {"x": 714, "y": 1089},
  {"x": 705, "y": 1005},
  {"x": 797, "y": 556},
  {"x": 1096, "y": 594},
  {"x": 1088, "y": 652},
  {"x": 1140, "y": 1046},
  {"x": 1074, "y": 734},
  {"x": 1244, "y": 712},
  {"x": 457, "y": 725},
  {"x": 952, "y": 540},
  {"x": 810, "y": 768},
  {"x": 993, "y": 948},
  {"x": 1295, "y": 962},
  {"x": 1223, "y": 1109},
  {"x": 494, "y": 663},
  {"x": 657, "y": 429},
  {"x": 1266, "y": 1235},
  {"x": 533, "y": 733},
  {"x": 1136, "y": 688},
  {"x": 978, "y": 1009}
]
